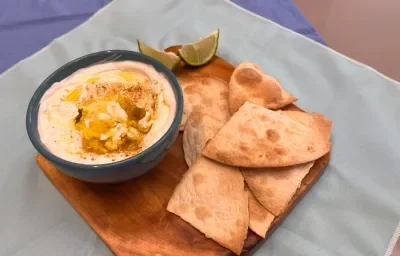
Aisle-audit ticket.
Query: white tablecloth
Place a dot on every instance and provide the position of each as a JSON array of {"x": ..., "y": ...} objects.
[{"x": 353, "y": 209}]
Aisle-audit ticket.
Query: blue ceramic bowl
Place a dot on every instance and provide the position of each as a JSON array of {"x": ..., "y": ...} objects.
[{"x": 121, "y": 170}]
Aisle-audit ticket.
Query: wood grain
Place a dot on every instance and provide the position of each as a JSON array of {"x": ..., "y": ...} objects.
[{"x": 131, "y": 218}]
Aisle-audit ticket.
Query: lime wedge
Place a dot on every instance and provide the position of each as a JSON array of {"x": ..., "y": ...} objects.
[
  {"x": 200, "y": 52},
  {"x": 169, "y": 59}
]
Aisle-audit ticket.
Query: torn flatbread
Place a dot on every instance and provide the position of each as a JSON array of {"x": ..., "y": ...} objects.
[
  {"x": 260, "y": 219},
  {"x": 199, "y": 129},
  {"x": 311, "y": 120},
  {"x": 258, "y": 137},
  {"x": 275, "y": 187},
  {"x": 206, "y": 94},
  {"x": 249, "y": 83},
  {"x": 211, "y": 198}
]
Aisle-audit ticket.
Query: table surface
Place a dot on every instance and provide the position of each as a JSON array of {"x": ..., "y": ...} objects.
[
  {"x": 27, "y": 26},
  {"x": 366, "y": 30}
]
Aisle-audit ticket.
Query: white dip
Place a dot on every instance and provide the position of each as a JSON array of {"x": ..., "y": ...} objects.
[{"x": 106, "y": 113}]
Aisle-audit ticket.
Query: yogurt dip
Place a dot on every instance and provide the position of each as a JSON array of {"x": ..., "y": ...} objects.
[{"x": 106, "y": 113}]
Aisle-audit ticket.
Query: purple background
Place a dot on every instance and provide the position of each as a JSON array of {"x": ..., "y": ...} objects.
[
  {"x": 26, "y": 26},
  {"x": 283, "y": 12}
]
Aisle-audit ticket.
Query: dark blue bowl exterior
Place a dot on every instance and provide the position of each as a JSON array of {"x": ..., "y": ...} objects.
[{"x": 121, "y": 170}]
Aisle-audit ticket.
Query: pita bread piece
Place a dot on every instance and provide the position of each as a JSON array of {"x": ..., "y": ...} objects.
[
  {"x": 259, "y": 218},
  {"x": 249, "y": 83},
  {"x": 313, "y": 121},
  {"x": 211, "y": 198},
  {"x": 258, "y": 137},
  {"x": 199, "y": 129},
  {"x": 275, "y": 187},
  {"x": 204, "y": 94}
]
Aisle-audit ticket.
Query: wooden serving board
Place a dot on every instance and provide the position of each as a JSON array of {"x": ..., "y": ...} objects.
[{"x": 131, "y": 217}]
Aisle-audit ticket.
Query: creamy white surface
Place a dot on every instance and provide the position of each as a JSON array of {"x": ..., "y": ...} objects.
[{"x": 55, "y": 115}]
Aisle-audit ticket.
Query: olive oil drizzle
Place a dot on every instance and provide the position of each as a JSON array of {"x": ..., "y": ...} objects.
[{"x": 104, "y": 133}]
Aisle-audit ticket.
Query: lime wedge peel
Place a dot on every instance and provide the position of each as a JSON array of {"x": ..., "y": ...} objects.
[
  {"x": 200, "y": 52},
  {"x": 169, "y": 59}
]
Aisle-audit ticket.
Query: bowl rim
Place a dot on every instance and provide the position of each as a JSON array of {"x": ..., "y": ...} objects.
[{"x": 45, "y": 85}]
